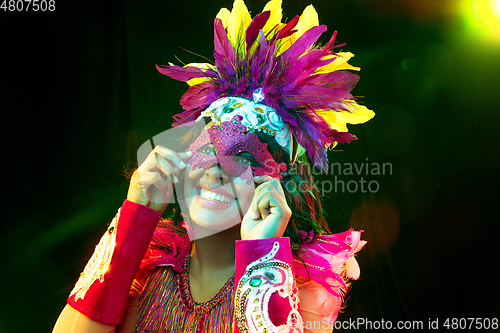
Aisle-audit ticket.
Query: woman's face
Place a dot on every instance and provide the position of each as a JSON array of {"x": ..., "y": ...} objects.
[
  {"x": 219, "y": 185},
  {"x": 218, "y": 188},
  {"x": 216, "y": 201}
]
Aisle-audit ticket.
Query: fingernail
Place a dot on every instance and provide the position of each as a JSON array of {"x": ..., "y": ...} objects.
[
  {"x": 182, "y": 164},
  {"x": 176, "y": 179}
]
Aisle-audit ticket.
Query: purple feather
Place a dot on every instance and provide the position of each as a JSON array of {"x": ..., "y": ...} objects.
[
  {"x": 303, "y": 43},
  {"x": 287, "y": 117},
  {"x": 315, "y": 151},
  {"x": 306, "y": 64},
  {"x": 199, "y": 96},
  {"x": 317, "y": 95},
  {"x": 339, "y": 80}
]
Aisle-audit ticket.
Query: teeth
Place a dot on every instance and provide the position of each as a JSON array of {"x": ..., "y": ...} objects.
[{"x": 213, "y": 196}]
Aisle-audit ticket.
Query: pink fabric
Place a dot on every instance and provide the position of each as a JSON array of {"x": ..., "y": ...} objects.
[
  {"x": 106, "y": 302},
  {"x": 246, "y": 253}
]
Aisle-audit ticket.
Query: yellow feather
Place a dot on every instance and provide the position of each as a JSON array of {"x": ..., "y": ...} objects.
[
  {"x": 223, "y": 15},
  {"x": 307, "y": 20},
  {"x": 331, "y": 145},
  {"x": 199, "y": 80},
  {"x": 274, "y": 6},
  {"x": 338, "y": 120},
  {"x": 328, "y": 116},
  {"x": 331, "y": 118},
  {"x": 340, "y": 63},
  {"x": 359, "y": 113},
  {"x": 237, "y": 23}
]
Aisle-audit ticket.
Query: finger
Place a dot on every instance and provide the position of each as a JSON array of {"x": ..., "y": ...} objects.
[
  {"x": 164, "y": 166},
  {"x": 148, "y": 179},
  {"x": 172, "y": 156},
  {"x": 156, "y": 187},
  {"x": 164, "y": 190},
  {"x": 156, "y": 164},
  {"x": 270, "y": 203},
  {"x": 274, "y": 183},
  {"x": 186, "y": 155},
  {"x": 259, "y": 205},
  {"x": 262, "y": 179}
]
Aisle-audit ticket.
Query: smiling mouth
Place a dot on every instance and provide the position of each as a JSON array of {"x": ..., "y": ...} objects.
[{"x": 215, "y": 197}]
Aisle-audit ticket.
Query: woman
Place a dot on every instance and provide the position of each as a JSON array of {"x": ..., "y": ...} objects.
[{"x": 246, "y": 247}]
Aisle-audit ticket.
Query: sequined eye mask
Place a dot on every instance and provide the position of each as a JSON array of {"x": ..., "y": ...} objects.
[{"x": 230, "y": 139}]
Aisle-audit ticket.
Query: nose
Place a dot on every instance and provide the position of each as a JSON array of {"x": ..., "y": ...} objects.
[{"x": 217, "y": 175}]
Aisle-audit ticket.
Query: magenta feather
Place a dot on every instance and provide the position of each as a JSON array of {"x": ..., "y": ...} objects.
[
  {"x": 287, "y": 30},
  {"x": 224, "y": 54},
  {"x": 303, "y": 43},
  {"x": 252, "y": 32},
  {"x": 340, "y": 137},
  {"x": 200, "y": 96},
  {"x": 185, "y": 73}
]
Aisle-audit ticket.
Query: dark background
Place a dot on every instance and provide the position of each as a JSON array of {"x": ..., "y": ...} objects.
[{"x": 80, "y": 94}]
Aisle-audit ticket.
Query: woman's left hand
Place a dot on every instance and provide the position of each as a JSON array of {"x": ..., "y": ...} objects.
[{"x": 269, "y": 213}]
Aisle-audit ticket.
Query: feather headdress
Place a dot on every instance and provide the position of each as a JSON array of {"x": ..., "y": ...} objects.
[{"x": 308, "y": 86}]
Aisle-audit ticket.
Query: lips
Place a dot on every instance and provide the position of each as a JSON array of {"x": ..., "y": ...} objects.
[{"x": 214, "y": 196}]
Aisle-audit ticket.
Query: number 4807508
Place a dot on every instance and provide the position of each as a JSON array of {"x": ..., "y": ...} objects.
[{"x": 28, "y": 5}]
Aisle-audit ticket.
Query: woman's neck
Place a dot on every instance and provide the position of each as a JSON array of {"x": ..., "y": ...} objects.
[
  {"x": 212, "y": 263},
  {"x": 214, "y": 254}
]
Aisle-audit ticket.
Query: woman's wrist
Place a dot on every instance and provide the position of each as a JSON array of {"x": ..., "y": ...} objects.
[{"x": 101, "y": 292}]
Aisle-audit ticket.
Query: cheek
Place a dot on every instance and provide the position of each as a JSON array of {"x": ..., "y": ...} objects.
[
  {"x": 193, "y": 174},
  {"x": 191, "y": 177},
  {"x": 245, "y": 192}
]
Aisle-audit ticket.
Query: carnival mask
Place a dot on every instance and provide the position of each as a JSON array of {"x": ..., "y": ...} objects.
[{"x": 237, "y": 151}]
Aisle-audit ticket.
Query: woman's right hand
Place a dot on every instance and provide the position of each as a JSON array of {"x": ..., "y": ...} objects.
[{"x": 152, "y": 183}]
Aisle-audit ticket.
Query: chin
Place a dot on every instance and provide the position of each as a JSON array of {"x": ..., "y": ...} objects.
[
  {"x": 206, "y": 221},
  {"x": 215, "y": 220}
]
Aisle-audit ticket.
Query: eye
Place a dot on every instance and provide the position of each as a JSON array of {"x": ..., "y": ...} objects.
[
  {"x": 246, "y": 159},
  {"x": 207, "y": 150},
  {"x": 242, "y": 160}
]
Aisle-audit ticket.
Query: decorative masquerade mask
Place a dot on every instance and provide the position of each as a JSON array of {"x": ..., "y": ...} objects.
[
  {"x": 237, "y": 151},
  {"x": 256, "y": 117}
]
